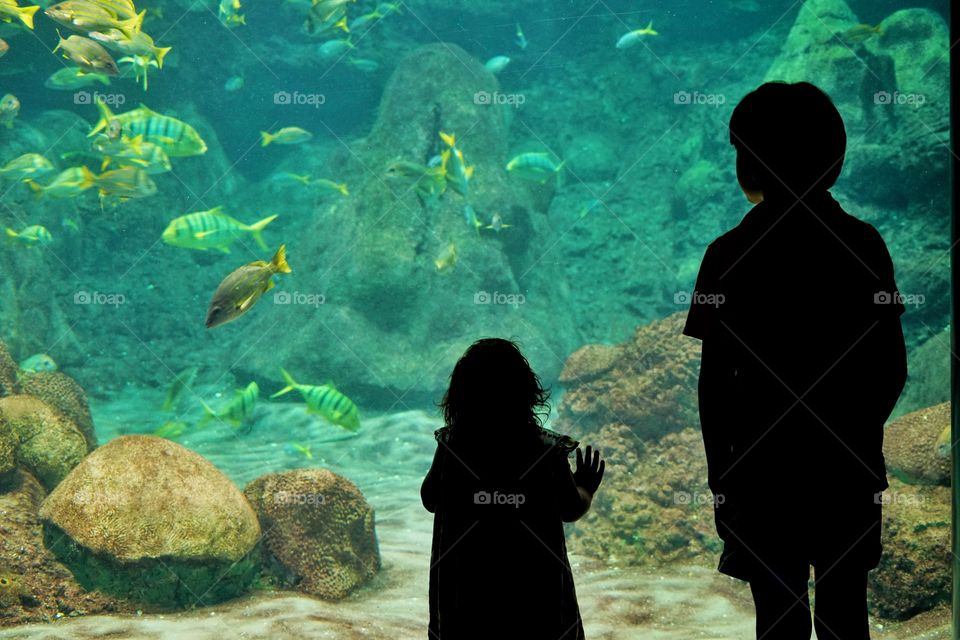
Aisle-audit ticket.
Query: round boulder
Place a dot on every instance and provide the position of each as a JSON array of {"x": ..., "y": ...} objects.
[
  {"x": 149, "y": 520},
  {"x": 319, "y": 530}
]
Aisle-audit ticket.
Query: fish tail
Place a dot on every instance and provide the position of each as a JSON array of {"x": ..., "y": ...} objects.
[
  {"x": 11, "y": 233},
  {"x": 133, "y": 25},
  {"x": 291, "y": 383},
  {"x": 89, "y": 179},
  {"x": 649, "y": 29},
  {"x": 266, "y": 138},
  {"x": 105, "y": 117},
  {"x": 160, "y": 53},
  {"x": 342, "y": 24},
  {"x": 208, "y": 414},
  {"x": 449, "y": 138},
  {"x": 342, "y": 188},
  {"x": 257, "y": 227},
  {"x": 279, "y": 262},
  {"x": 26, "y": 15}
]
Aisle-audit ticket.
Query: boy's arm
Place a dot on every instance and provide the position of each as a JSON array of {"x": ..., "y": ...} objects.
[
  {"x": 714, "y": 391},
  {"x": 429, "y": 490}
]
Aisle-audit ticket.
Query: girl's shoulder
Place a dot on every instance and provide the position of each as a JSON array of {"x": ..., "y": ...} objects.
[{"x": 562, "y": 442}]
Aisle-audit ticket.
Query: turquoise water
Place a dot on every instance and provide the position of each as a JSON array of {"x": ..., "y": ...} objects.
[{"x": 391, "y": 281}]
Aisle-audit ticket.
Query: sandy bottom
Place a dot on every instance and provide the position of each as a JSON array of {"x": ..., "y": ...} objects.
[{"x": 387, "y": 460}]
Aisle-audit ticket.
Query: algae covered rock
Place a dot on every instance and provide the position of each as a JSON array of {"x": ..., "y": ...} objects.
[
  {"x": 8, "y": 372},
  {"x": 650, "y": 385},
  {"x": 62, "y": 392},
  {"x": 914, "y": 574},
  {"x": 319, "y": 530},
  {"x": 915, "y": 449},
  {"x": 408, "y": 319},
  {"x": 48, "y": 443},
  {"x": 152, "y": 521}
]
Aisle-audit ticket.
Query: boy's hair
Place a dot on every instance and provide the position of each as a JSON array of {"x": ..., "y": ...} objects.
[
  {"x": 789, "y": 138},
  {"x": 493, "y": 380}
]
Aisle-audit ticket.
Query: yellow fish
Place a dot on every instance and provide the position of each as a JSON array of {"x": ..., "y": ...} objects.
[{"x": 240, "y": 290}]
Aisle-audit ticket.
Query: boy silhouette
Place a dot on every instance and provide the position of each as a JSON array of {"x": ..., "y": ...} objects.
[
  {"x": 803, "y": 360},
  {"x": 500, "y": 488}
]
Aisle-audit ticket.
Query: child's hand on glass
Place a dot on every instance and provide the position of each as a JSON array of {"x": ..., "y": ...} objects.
[{"x": 589, "y": 471}]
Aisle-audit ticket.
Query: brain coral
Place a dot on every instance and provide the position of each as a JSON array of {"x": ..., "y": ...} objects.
[{"x": 319, "y": 529}]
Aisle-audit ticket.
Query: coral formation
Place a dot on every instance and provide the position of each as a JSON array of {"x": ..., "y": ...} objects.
[
  {"x": 62, "y": 392},
  {"x": 914, "y": 573},
  {"x": 150, "y": 520},
  {"x": 910, "y": 446},
  {"x": 10, "y": 589},
  {"x": 319, "y": 530},
  {"x": 651, "y": 385},
  {"x": 49, "y": 443},
  {"x": 8, "y": 451},
  {"x": 654, "y": 506},
  {"x": 8, "y": 372}
]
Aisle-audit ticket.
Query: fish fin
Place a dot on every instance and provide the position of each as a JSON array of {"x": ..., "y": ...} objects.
[
  {"x": 266, "y": 138},
  {"x": 279, "y": 262},
  {"x": 36, "y": 188},
  {"x": 200, "y": 235},
  {"x": 133, "y": 25},
  {"x": 26, "y": 15},
  {"x": 160, "y": 53},
  {"x": 270, "y": 285},
  {"x": 105, "y": 117},
  {"x": 223, "y": 249},
  {"x": 469, "y": 172},
  {"x": 257, "y": 227},
  {"x": 247, "y": 302},
  {"x": 291, "y": 383},
  {"x": 449, "y": 138},
  {"x": 342, "y": 24}
]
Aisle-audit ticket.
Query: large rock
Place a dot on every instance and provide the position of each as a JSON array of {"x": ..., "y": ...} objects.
[
  {"x": 8, "y": 372},
  {"x": 648, "y": 383},
  {"x": 391, "y": 325},
  {"x": 914, "y": 448},
  {"x": 152, "y": 521},
  {"x": 48, "y": 442},
  {"x": 891, "y": 87},
  {"x": 319, "y": 530},
  {"x": 914, "y": 574}
]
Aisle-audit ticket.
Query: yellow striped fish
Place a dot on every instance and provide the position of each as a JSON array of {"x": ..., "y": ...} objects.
[
  {"x": 324, "y": 400},
  {"x": 9, "y": 9},
  {"x": 212, "y": 229},
  {"x": 175, "y": 137},
  {"x": 239, "y": 409}
]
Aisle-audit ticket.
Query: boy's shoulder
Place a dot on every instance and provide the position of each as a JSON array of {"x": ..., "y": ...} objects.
[{"x": 762, "y": 217}]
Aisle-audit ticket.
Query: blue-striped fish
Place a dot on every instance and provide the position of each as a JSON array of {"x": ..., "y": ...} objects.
[
  {"x": 324, "y": 400},
  {"x": 212, "y": 229},
  {"x": 239, "y": 409},
  {"x": 175, "y": 137}
]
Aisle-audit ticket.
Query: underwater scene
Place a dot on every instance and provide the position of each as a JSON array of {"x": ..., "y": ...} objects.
[{"x": 245, "y": 242}]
